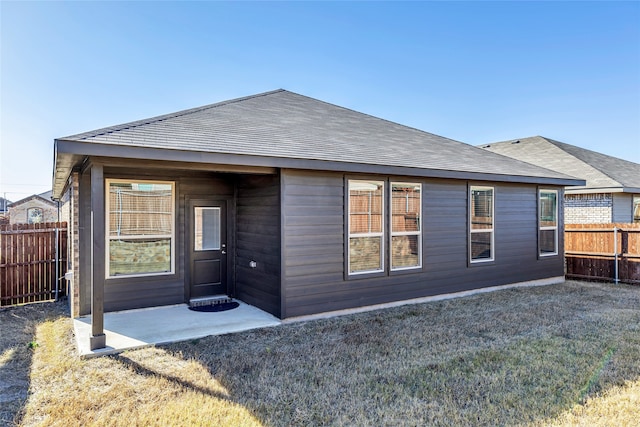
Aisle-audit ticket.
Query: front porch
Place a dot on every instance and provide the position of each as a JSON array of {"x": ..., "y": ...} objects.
[{"x": 131, "y": 329}]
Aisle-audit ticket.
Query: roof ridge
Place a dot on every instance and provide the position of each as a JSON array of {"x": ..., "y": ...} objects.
[
  {"x": 383, "y": 119},
  {"x": 162, "y": 117},
  {"x": 559, "y": 145},
  {"x": 485, "y": 146}
]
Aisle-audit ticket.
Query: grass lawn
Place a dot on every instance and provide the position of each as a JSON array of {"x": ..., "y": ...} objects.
[{"x": 555, "y": 355}]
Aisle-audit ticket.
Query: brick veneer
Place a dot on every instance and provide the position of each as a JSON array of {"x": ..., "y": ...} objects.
[{"x": 596, "y": 208}]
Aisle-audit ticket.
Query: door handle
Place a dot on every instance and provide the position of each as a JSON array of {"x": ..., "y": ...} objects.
[{"x": 223, "y": 252}]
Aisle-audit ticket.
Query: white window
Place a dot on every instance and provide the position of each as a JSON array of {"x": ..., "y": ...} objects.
[
  {"x": 481, "y": 224},
  {"x": 636, "y": 208},
  {"x": 548, "y": 222},
  {"x": 366, "y": 226},
  {"x": 140, "y": 227},
  {"x": 406, "y": 228}
]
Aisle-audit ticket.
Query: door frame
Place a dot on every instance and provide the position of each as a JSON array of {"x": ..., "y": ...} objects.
[{"x": 188, "y": 240}]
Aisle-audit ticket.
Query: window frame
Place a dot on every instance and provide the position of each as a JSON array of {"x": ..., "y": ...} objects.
[
  {"x": 471, "y": 232},
  {"x": 547, "y": 228},
  {"x": 635, "y": 206},
  {"x": 393, "y": 234},
  {"x": 380, "y": 234},
  {"x": 108, "y": 238}
]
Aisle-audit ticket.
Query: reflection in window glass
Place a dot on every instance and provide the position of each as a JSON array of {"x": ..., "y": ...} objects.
[
  {"x": 481, "y": 208},
  {"x": 405, "y": 225},
  {"x": 35, "y": 216},
  {"x": 548, "y": 222},
  {"x": 207, "y": 229},
  {"x": 366, "y": 207},
  {"x": 140, "y": 227}
]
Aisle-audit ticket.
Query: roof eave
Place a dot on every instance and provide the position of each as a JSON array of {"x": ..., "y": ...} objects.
[
  {"x": 589, "y": 190},
  {"x": 80, "y": 149}
]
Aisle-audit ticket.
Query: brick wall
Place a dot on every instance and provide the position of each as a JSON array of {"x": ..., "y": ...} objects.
[
  {"x": 72, "y": 197},
  {"x": 588, "y": 208}
]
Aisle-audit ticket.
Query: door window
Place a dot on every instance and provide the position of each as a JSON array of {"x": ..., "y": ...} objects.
[{"x": 207, "y": 229}]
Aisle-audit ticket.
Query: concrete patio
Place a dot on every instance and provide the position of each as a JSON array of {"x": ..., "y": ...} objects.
[{"x": 131, "y": 329}]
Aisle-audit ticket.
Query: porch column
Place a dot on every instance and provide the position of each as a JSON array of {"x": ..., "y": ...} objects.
[{"x": 98, "y": 338}]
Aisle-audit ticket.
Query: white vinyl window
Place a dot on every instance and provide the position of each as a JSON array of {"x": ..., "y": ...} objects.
[
  {"x": 366, "y": 226},
  {"x": 140, "y": 227},
  {"x": 636, "y": 208},
  {"x": 406, "y": 228},
  {"x": 548, "y": 222},
  {"x": 481, "y": 224}
]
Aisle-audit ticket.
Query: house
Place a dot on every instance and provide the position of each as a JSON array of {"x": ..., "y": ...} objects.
[
  {"x": 296, "y": 206},
  {"x": 612, "y": 190},
  {"x": 4, "y": 211},
  {"x": 33, "y": 209},
  {"x": 4, "y": 207}
]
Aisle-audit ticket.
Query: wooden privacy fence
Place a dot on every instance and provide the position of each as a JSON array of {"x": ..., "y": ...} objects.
[
  {"x": 33, "y": 257},
  {"x": 608, "y": 252}
]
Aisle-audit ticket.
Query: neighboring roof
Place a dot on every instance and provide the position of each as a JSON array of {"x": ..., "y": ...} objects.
[
  {"x": 284, "y": 129},
  {"x": 601, "y": 172},
  {"x": 46, "y": 195},
  {"x": 33, "y": 197}
]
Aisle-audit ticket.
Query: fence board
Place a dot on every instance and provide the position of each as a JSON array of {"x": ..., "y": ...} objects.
[
  {"x": 591, "y": 250},
  {"x": 28, "y": 262}
]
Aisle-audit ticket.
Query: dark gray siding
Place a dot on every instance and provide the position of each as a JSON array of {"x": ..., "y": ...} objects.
[
  {"x": 313, "y": 245},
  {"x": 258, "y": 239},
  {"x": 622, "y": 209},
  {"x": 148, "y": 291}
]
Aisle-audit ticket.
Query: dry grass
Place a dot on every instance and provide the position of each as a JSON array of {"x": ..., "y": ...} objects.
[
  {"x": 556, "y": 355},
  {"x": 17, "y": 334}
]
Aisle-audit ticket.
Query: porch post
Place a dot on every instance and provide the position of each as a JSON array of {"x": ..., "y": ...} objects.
[{"x": 98, "y": 338}]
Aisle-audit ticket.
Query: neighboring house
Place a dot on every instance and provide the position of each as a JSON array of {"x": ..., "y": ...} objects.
[
  {"x": 33, "y": 209},
  {"x": 4, "y": 205},
  {"x": 298, "y": 207},
  {"x": 4, "y": 211},
  {"x": 612, "y": 190}
]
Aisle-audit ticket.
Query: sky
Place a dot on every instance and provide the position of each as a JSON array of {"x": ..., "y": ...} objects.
[{"x": 477, "y": 72}]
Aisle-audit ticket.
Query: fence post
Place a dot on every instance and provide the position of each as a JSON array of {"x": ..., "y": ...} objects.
[
  {"x": 624, "y": 250},
  {"x": 615, "y": 253}
]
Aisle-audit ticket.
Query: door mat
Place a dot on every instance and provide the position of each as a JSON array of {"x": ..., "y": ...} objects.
[{"x": 216, "y": 307}]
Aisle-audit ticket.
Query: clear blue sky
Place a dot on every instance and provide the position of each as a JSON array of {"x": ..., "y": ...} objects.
[{"x": 476, "y": 72}]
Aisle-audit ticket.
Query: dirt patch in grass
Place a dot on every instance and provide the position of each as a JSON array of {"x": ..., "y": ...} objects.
[
  {"x": 17, "y": 345},
  {"x": 554, "y": 355}
]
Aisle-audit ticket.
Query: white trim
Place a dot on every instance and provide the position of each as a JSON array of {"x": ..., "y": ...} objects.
[
  {"x": 329, "y": 314},
  {"x": 108, "y": 238},
  {"x": 393, "y": 234},
  {"x": 596, "y": 190},
  {"x": 483, "y": 230}
]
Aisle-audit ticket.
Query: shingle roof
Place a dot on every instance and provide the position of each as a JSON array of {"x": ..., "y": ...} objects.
[
  {"x": 33, "y": 197},
  {"x": 599, "y": 170},
  {"x": 285, "y": 125}
]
